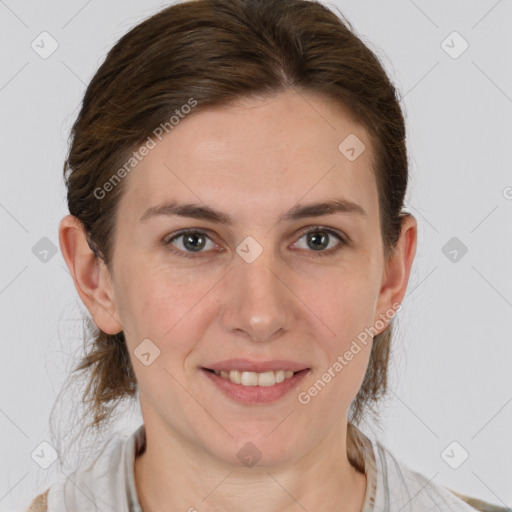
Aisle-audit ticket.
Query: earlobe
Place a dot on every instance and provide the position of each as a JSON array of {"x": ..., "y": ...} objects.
[
  {"x": 90, "y": 275},
  {"x": 397, "y": 270}
]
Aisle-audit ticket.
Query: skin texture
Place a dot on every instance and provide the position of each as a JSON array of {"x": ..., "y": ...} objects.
[{"x": 253, "y": 161}]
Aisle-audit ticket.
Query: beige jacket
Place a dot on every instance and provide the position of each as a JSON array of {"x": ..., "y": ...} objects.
[{"x": 39, "y": 503}]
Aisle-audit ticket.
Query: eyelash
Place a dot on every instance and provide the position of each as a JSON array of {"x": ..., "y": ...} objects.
[{"x": 314, "y": 229}]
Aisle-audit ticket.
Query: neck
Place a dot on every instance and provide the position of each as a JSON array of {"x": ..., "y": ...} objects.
[{"x": 170, "y": 475}]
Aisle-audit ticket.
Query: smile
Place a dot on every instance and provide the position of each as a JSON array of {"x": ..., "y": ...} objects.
[{"x": 248, "y": 386}]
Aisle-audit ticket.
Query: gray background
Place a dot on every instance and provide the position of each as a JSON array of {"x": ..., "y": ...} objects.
[{"x": 451, "y": 378}]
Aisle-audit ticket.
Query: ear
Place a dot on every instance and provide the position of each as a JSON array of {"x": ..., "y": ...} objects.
[
  {"x": 396, "y": 272},
  {"x": 90, "y": 275}
]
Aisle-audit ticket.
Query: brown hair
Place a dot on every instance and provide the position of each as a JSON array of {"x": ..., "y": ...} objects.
[{"x": 219, "y": 51}]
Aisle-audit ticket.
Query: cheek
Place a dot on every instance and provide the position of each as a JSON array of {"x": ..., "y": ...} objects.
[
  {"x": 150, "y": 302},
  {"x": 345, "y": 303},
  {"x": 166, "y": 307}
]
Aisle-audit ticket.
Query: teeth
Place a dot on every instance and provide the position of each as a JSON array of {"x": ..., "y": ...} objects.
[
  {"x": 234, "y": 376},
  {"x": 255, "y": 379},
  {"x": 281, "y": 375}
]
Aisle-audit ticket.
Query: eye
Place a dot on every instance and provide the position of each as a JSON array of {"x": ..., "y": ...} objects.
[
  {"x": 190, "y": 242},
  {"x": 319, "y": 239}
]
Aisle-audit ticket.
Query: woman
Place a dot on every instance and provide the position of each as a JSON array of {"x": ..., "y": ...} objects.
[{"x": 236, "y": 180}]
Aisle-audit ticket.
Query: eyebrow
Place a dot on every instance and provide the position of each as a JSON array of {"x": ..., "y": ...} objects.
[{"x": 202, "y": 212}]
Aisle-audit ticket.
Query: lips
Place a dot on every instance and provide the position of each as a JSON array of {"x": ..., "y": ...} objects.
[
  {"x": 252, "y": 382},
  {"x": 247, "y": 365}
]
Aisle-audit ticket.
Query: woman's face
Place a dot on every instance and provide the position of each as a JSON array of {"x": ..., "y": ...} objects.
[{"x": 251, "y": 290}]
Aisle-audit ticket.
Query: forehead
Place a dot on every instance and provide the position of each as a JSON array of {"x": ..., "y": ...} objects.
[{"x": 258, "y": 156}]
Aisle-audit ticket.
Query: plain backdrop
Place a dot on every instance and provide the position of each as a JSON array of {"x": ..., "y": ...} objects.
[{"x": 451, "y": 378}]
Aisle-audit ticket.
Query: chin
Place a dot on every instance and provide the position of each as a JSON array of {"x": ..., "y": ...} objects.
[{"x": 257, "y": 449}]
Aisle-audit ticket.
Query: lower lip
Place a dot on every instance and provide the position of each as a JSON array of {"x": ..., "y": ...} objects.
[{"x": 255, "y": 394}]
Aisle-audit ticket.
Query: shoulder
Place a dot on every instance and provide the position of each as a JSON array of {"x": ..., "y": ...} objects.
[
  {"x": 39, "y": 503},
  {"x": 482, "y": 506},
  {"x": 101, "y": 478},
  {"x": 402, "y": 486}
]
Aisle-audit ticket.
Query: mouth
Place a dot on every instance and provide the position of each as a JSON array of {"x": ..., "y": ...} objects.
[
  {"x": 250, "y": 383},
  {"x": 249, "y": 379}
]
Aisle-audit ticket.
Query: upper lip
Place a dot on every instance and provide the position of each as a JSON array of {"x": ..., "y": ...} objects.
[{"x": 247, "y": 365}]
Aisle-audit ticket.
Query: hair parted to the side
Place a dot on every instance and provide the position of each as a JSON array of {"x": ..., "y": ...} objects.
[{"x": 217, "y": 52}]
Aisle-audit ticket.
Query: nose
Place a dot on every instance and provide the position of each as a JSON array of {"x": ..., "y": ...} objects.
[{"x": 256, "y": 300}]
